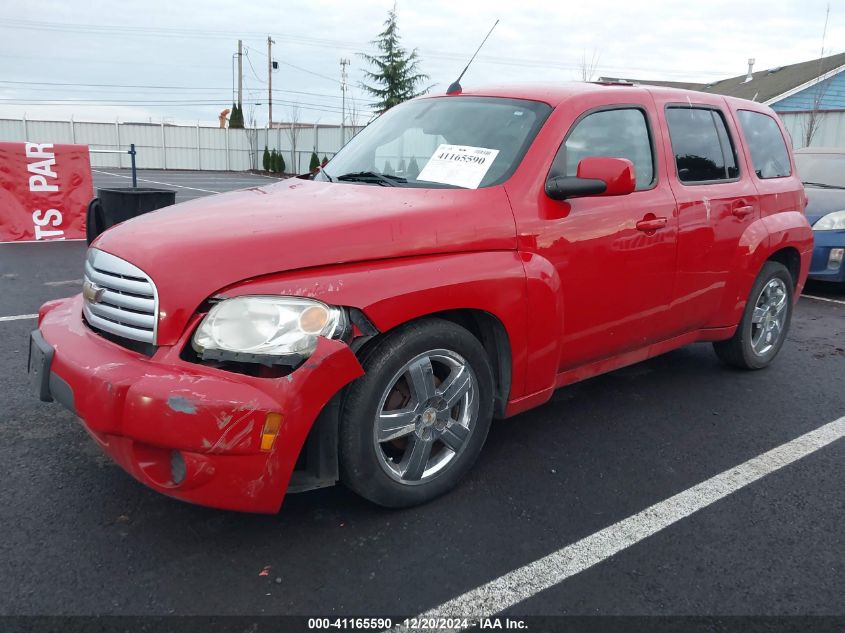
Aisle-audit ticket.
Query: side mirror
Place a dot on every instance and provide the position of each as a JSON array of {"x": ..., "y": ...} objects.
[{"x": 596, "y": 175}]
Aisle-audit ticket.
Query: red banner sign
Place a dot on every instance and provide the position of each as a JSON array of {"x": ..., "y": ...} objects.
[{"x": 44, "y": 191}]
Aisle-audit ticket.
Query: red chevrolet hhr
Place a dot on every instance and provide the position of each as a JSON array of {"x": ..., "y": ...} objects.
[{"x": 460, "y": 259}]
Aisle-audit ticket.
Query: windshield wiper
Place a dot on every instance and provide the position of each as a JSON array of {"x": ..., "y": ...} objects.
[
  {"x": 371, "y": 176},
  {"x": 823, "y": 185}
]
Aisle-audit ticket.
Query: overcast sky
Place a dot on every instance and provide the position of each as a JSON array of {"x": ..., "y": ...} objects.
[{"x": 173, "y": 60}]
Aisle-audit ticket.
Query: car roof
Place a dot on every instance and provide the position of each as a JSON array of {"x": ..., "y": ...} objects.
[{"x": 555, "y": 94}]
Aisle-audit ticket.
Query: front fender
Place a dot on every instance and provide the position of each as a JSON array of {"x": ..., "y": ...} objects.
[
  {"x": 545, "y": 302},
  {"x": 395, "y": 291}
]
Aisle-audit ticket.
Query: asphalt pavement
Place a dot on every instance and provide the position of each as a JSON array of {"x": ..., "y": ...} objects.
[
  {"x": 80, "y": 537},
  {"x": 187, "y": 184}
]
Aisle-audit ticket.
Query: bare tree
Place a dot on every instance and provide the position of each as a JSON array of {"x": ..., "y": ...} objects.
[
  {"x": 588, "y": 67},
  {"x": 812, "y": 122},
  {"x": 293, "y": 130},
  {"x": 252, "y": 138},
  {"x": 354, "y": 116}
]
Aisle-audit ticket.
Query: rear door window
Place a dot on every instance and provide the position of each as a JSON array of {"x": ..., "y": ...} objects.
[
  {"x": 766, "y": 145},
  {"x": 701, "y": 144}
]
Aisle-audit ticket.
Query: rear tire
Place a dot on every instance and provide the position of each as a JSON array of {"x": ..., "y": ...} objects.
[
  {"x": 765, "y": 321},
  {"x": 414, "y": 424}
]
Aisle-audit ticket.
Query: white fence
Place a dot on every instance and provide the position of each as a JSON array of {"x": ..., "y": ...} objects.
[
  {"x": 830, "y": 130},
  {"x": 165, "y": 146}
]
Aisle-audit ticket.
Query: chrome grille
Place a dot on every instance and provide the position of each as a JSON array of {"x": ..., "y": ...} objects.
[{"x": 119, "y": 298}]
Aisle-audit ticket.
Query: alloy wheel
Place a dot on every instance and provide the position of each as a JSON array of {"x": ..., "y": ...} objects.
[
  {"x": 426, "y": 416},
  {"x": 769, "y": 317}
]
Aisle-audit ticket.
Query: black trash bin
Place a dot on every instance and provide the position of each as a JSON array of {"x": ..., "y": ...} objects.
[{"x": 112, "y": 206}]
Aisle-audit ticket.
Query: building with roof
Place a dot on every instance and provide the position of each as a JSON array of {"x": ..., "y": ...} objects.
[{"x": 809, "y": 96}]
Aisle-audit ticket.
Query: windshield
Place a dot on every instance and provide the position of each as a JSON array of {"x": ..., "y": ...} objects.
[
  {"x": 467, "y": 142},
  {"x": 821, "y": 169}
]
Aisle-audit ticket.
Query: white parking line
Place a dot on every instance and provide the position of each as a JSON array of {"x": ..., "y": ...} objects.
[
  {"x": 67, "y": 282},
  {"x": 60, "y": 241},
  {"x": 155, "y": 182},
  {"x": 270, "y": 177},
  {"x": 823, "y": 299},
  {"x": 19, "y": 317},
  {"x": 527, "y": 581}
]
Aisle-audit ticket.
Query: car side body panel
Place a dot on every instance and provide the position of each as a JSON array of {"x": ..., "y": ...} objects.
[{"x": 719, "y": 253}]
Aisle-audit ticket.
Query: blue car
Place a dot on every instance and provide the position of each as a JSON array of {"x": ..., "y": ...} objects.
[{"x": 822, "y": 171}]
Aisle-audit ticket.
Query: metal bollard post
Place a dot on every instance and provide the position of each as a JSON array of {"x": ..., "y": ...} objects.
[{"x": 134, "y": 173}]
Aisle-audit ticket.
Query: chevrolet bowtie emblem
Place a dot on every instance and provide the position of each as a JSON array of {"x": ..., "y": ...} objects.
[{"x": 92, "y": 292}]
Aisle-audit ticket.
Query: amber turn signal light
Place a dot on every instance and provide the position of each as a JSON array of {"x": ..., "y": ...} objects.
[{"x": 272, "y": 424}]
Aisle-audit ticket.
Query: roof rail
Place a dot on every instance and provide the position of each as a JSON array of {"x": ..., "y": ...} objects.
[{"x": 613, "y": 81}]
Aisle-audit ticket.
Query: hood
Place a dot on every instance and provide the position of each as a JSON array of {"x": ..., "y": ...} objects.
[
  {"x": 823, "y": 201},
  {"x": 193, "y": 249}
]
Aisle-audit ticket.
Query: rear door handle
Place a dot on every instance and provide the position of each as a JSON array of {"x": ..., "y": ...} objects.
[
  {"x": 651, "y": 224},
  {"x": 742, "y": 211}
]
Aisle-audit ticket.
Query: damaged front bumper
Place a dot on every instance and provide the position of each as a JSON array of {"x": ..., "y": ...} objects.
[{"x": 186, "y": 430}]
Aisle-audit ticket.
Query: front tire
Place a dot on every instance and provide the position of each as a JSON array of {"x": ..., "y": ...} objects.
[
  {"x": 765, "y": 321},
  {"x": 414, "y": 425}
]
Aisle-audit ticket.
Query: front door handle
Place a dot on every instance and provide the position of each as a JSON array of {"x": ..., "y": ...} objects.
[
  {"x": 651, "y": 224},
  {"x": 743, "y": 211}
]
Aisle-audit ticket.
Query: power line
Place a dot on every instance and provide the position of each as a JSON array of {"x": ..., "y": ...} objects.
[
  {"x": 329, "y": 43},
  {"x": 159, "y": 102},
  {"x": 57, "y": 83},
  {"x": 300, "y": 68},
  {"x": 251, "y": 67},
  {"x": 143, "y": 31},
  {"x": 152, "y": 87},
  {"x": 310, "y": 72},
  {"x": 149, "y": 105}
]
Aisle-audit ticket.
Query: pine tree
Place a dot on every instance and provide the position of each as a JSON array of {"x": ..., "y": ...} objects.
[
  {"x": 280, "y": 164},
  {"x": 413, "y": 169},
  {"x": 395, "y": 75},
  {"x": 236, "y": 119},
  {"x": 314, "y": 165},
  {"x": 265, "y": 160}
]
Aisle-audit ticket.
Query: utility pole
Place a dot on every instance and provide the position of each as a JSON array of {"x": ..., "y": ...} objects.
[
  {"x": 270, "y": 43},
  {"x": 233, "y": 78},
  {"x": 240, "y": 74},
  {"x": 343, "y": 77}
]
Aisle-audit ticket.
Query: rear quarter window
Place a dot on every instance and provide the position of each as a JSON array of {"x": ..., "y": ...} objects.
[{"x": 765, "y": 144}]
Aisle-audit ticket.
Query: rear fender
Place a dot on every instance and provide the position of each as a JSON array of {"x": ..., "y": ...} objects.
[
  {"x": 792, "y": 229},
  {"x": 758, "y": 242}
]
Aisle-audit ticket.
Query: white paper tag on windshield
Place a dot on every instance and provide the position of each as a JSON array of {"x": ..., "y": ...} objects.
[{"x": 459, "y": 165}]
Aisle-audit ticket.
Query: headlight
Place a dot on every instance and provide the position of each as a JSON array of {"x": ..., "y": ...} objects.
[
  {"x": 266, "y": 329},
  {"x": 831, "y": 222}
]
